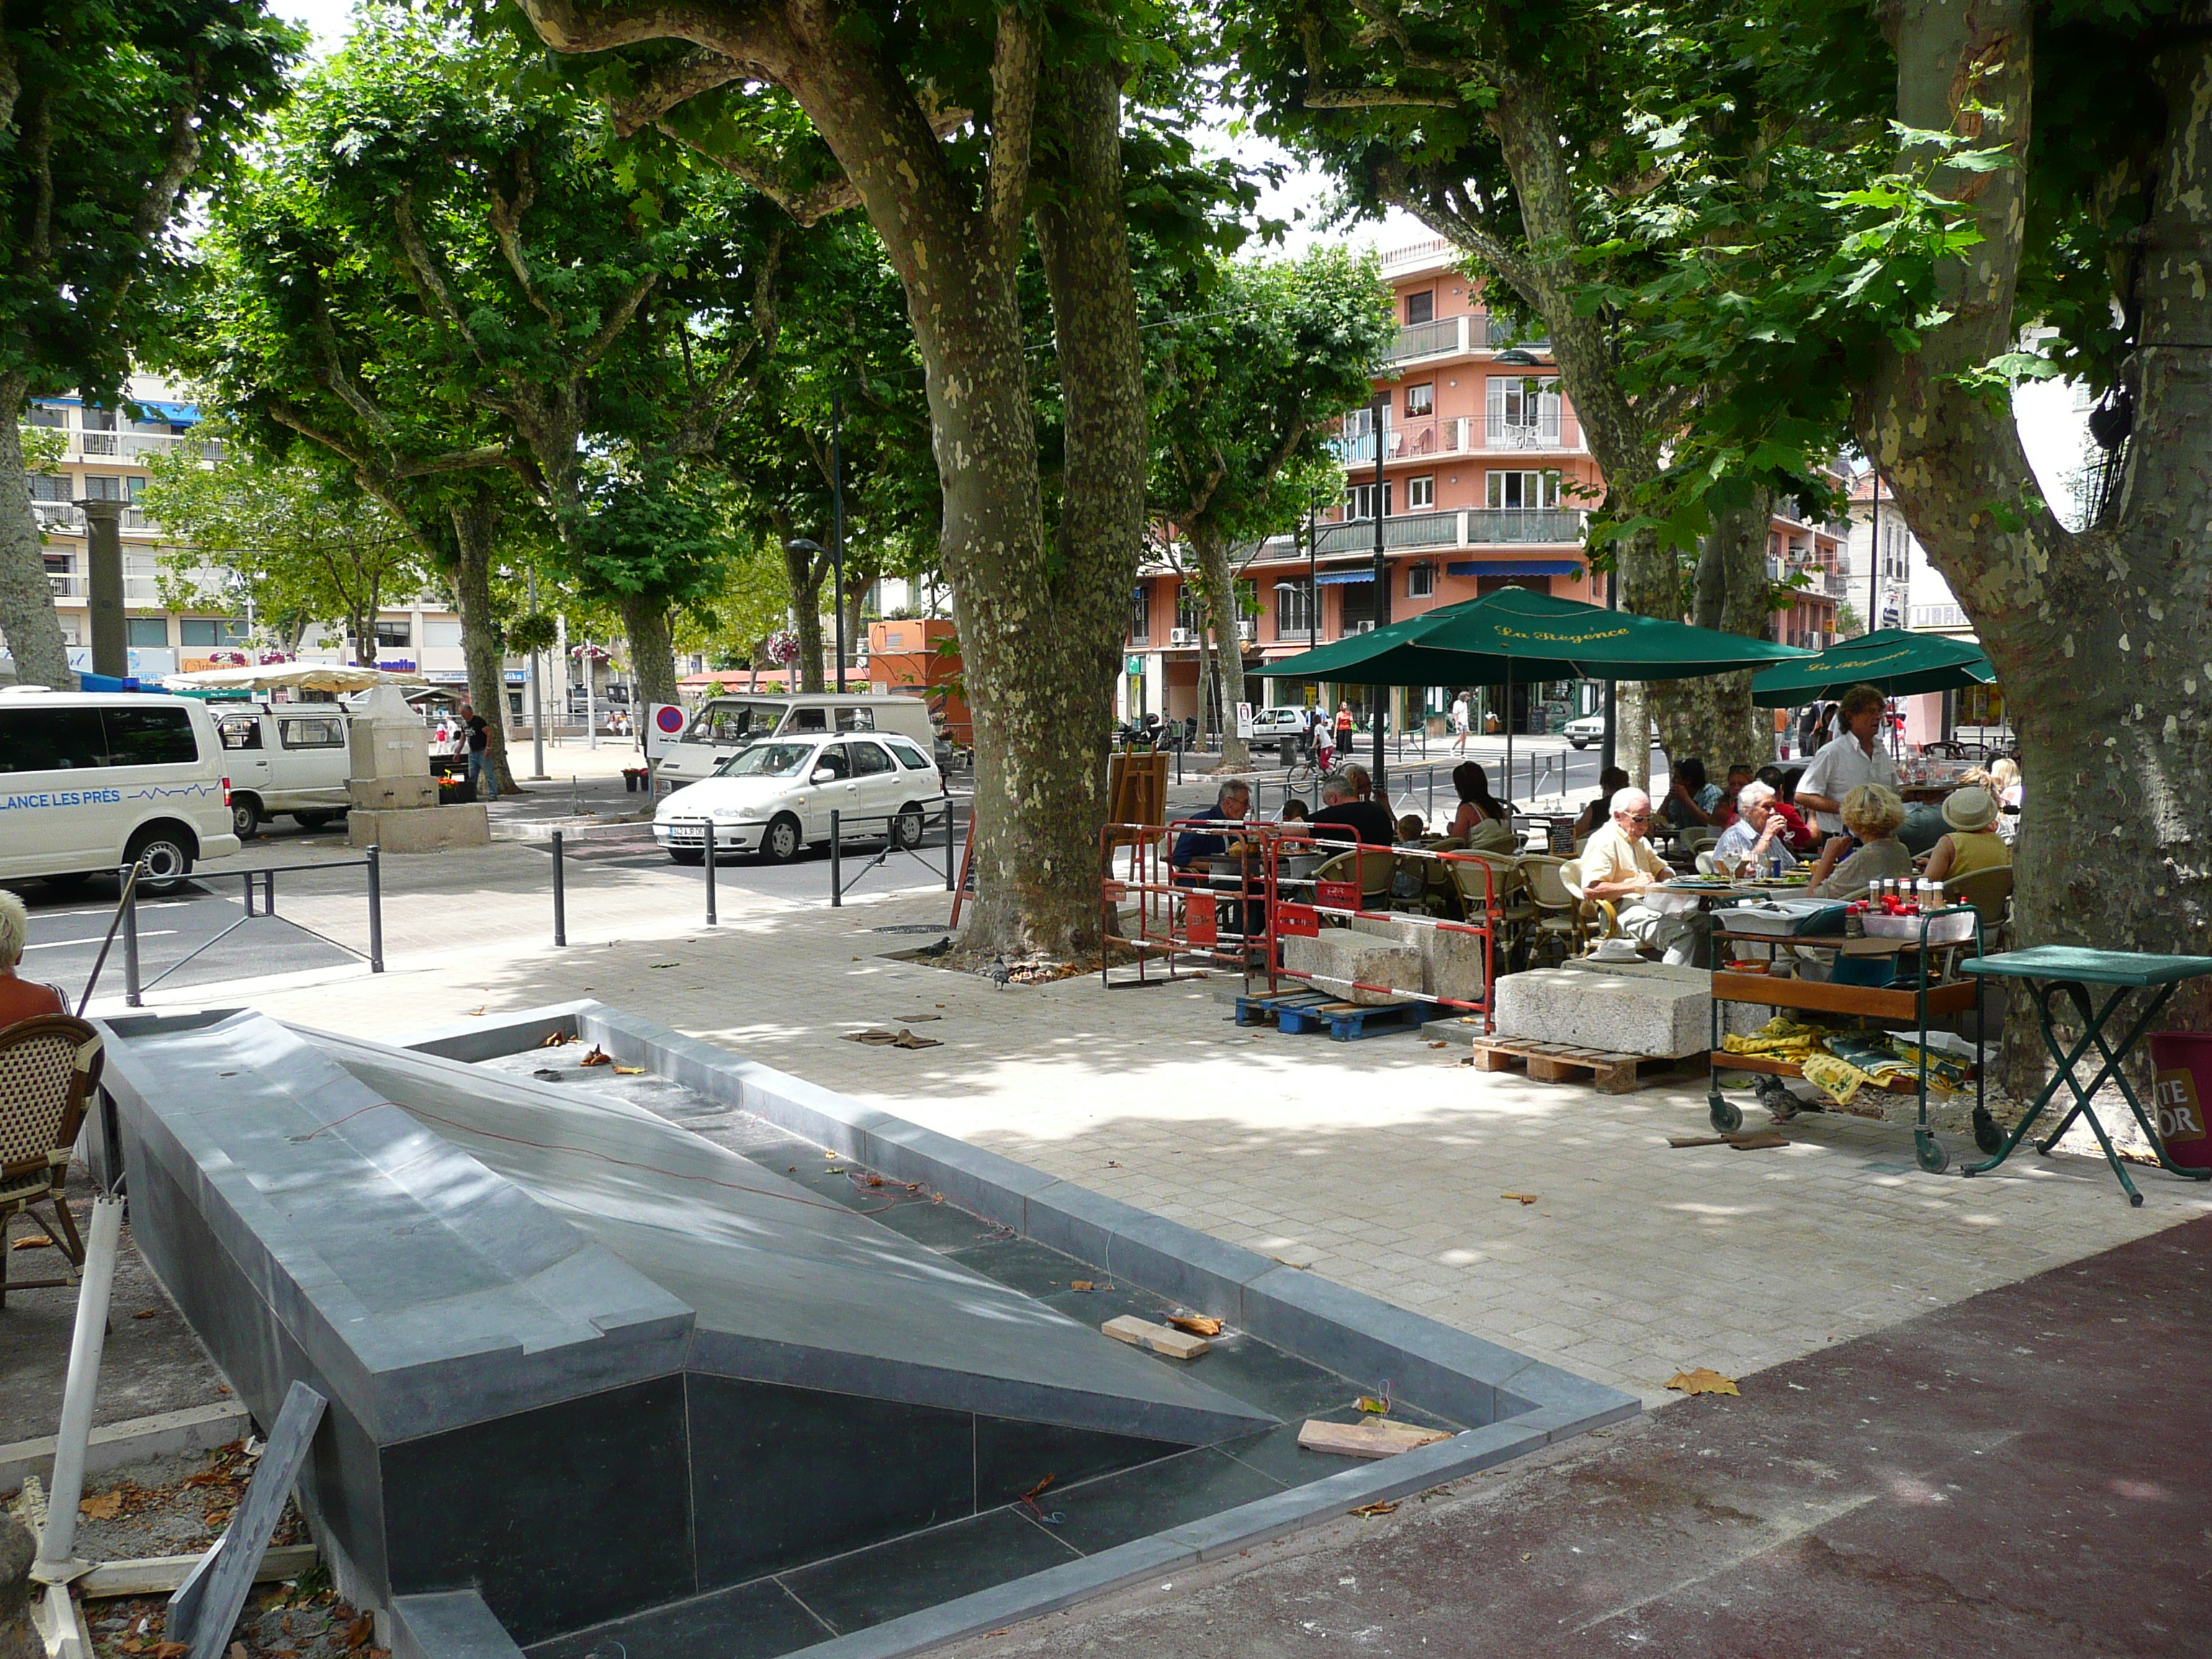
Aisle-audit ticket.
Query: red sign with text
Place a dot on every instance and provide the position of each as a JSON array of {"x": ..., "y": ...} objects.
[
  {"x": 1337, "y": 895},
  {"x": 1298, "y": 921},
  {"x": 1197, "y": 919}
]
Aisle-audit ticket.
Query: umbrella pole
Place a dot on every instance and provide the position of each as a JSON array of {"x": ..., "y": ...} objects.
[{"x": 1508, "y": 729}]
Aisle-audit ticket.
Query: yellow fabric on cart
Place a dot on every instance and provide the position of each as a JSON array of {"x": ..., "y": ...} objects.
[
  {"x": 1836, "y": 1077},
  {"x": 1780, "y": 1038}
]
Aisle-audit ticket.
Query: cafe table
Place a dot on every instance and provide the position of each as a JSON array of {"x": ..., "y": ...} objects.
[{"x": 2054, "y": 971}]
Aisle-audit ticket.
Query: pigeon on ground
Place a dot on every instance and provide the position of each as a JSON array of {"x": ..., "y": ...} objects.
[
  {"x": 997, "y": 973},
  {"x": 932, "y": 952},
  {"x": 1774, "y": 1094}
]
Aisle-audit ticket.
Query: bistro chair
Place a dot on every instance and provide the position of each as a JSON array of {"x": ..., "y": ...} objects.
[
  {"x": 1516, "y": 921},
  {"x": 1371, "y": 866},
  {"x": 1563, "y": 914},
  {"x": 48, "y": 1066},
  {"x": 1989, "y": 891}
]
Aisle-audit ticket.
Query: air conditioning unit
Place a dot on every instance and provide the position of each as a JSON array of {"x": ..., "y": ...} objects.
[
  {"x": 1359, "y": 627},
  {"x": 1247, "y": 628},
  {"x": 1182, "y": 636}
]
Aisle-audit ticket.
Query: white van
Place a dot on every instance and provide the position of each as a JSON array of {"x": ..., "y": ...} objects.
[
  {"x": 723, "y": 725},
  {"x": 293, "y": 759},
  {"x": 91, "y": 780}
]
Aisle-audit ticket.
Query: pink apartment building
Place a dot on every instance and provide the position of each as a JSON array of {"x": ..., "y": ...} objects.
[{"x": 1486, "y": 481}]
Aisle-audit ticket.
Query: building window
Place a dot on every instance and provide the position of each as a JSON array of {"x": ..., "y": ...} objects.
[
  {"x": 207, "y": 631},
  {"x": 99, "y": 420},
  {"x": 393, "y": 633},
  {"x": 150, "y": 631},
  {"x": 1294, "y": 609},
  {"x": 98, "y": 487},
  {"x": 1188, "y": 612},
  {"x": 1359, "y": 502},
  {"x": 47, "y": 415},
  {"x": 1140, "y": 614},
  {"x": 1421, "y": 307},
  {"x": 1421, "y": 399},
  {"x": 1420, "y": 581},
  {"x": 1523, "y": 410},
  {"x": 48, "y": 487},
  {"x": 1420, "y": 493},
  {"x": 1523, "y": 491}
]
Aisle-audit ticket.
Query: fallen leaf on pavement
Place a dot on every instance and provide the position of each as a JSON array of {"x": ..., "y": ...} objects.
[
  {"x": 1432, "y": 1045},
  {"x": 598, "y": 1056},
  {"x": 1703, "y": 1381},
  {"x": 1520, "y": 1198},
  {"x": 556, "y": 1039},
  {"x": 358, "y": 1633},
  {"x": 35, "y": 1241},
  {"x": 1368, "y": 1402},
  {"x": 144, "y": 1313},
  {"x": 1196, "y": 1324},
  {"x": 478, "y": 1013},
  {"x": 1081, "y": 1284},
  {"x": 901, "y": 1038},
  {"x": 629, "y": 1070},
  {"x": 1372, "y": 1509},
  {"x": 101, "y": 1505},
  {"x": 663, "y": 965},
  {"x": 170, "y": 1651}
]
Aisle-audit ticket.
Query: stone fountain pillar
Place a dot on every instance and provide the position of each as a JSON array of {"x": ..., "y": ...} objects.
[{"x": 395, "y": 798}]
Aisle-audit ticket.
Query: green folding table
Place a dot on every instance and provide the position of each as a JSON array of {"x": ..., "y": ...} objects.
[{"x": 2054, "y": 970}]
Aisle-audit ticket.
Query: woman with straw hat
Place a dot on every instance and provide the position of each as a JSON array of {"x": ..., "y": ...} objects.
[{"x": 1973, "y": 843}]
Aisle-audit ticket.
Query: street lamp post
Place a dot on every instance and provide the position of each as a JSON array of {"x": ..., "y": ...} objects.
[{"x": 1381, "y": 573}]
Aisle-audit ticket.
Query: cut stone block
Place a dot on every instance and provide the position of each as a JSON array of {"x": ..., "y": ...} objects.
[
  {"x": 422, "y": 829},
  {"x": 1339, "y": 958},
  {"x": 1451, "y": 964},
  {"x": 1621, "y": 1013}
]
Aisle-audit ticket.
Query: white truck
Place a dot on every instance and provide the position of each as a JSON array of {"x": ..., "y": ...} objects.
[
  {"x": 725, "y": 725},
  {"x": 291, "y": 759},
  {"x": 93, "y": 780}
]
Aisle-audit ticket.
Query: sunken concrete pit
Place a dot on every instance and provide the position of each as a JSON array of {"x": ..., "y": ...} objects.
[{"x": 625, "y": 1363}]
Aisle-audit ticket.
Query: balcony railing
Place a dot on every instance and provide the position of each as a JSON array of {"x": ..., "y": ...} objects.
[
  {"x": 1443, "y": 337},
  {"x": 1491, "y": 525},
  {"x": 1476, "y": 527},
  {"x": 1453, "y": 436},
  {"x": 142, "y": 591},
  {"x": 1497, "y": 334},
  {"x": 82, "y": 446},
  {"x": 67, "y": 519},
  {"x": 1543, "y": 433}
]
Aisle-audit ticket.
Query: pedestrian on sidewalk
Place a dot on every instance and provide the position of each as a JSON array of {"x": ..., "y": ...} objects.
[
  {"x": 1458, "y": 723},
  {"x": 481, "y": 777}
]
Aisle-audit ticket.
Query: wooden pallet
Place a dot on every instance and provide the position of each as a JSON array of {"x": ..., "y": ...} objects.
[
  {"x": 1299, "y": 1012},
  {"x": 1610, "y": 1073}
]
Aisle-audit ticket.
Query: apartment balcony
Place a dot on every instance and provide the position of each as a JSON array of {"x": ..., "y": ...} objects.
[
  {"x": 1422, "y": 531},
  {"x": 141, "y": 593},
  {"x": 67, "y": 519},
  {"x": 128, "y": 446},
  {"x": 1546, "y": 431},
  {"x": 1421, "y": 439},
  {"x": 1498, "y": 334}
]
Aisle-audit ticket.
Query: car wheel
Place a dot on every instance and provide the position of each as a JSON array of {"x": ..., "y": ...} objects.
[
  {"x": 313, "y": 820},
  {"x": 687, "y": 854},
  {"x": 907, "y": 828},
  {"x": 1577, "y": 743},
  {"x": 167, "y": 859},
  {"x": 783, "y": 841},
  {"x": 245, "y": 817}
]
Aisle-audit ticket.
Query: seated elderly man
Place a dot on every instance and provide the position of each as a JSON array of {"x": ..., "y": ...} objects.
[
  {"x": 1619, "y": 867},
  {"x": 1346, "y": 815},
  {"x": 1759, "y": 835},
  {"x": 1195, "y": 850}
]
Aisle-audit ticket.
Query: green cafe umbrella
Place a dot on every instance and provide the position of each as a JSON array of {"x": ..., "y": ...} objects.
[
  {"x": 1517, "y": 635},
  {"x": 1894, "y": 661}
]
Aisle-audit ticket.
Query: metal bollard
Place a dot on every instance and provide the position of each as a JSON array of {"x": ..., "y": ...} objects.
[
  {"x": 560, "y": 894},
  {"x": 950, "y": 878},
  {"x": 374, "y": 857},
  {"x": 707, "y": 846},
  {"x": 268, "y": 892},
  {"x": 836, "y": 861},
  {"x": 248, "y": 879},
  {"x": 130, "y": 946}
]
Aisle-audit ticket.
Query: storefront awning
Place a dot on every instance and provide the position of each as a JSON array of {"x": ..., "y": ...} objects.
[
  {"x": 176, "y": 414},
  {"x": 1513, "y": 567},
  {"x": 1344, "y": 578}
]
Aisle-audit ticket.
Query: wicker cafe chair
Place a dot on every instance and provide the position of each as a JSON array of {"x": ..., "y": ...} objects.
[
  {"x": 1517, "y": 912},
  {"x": 1563, "y": 916},
  {"x": 47, "y": 1069},
  {"x": 1989, "y": 891}
]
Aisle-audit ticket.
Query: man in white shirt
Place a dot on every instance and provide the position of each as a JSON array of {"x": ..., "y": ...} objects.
[
  {"x": 1757, "y": 833},
  {"x": 1459, "y": 718},
  {"x": 1853, "y": 756},
  {"x": 1619, "y": 867}
]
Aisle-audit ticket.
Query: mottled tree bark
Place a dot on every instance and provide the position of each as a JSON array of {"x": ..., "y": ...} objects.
[
  {"x": 804, "y": 572},
  {"x": 2102, "y": 639},
  {"x": 1217, "y": 582},
  {"x": 476, "y": 529},
  {"x": 27, "y": 598},
  {"x": 1713, "y": 717},
  {"x": 651, "y": 649}
]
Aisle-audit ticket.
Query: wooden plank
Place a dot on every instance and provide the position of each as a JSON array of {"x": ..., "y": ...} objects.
[
  {"x": 1374, "y": 1437},
  {"x": 1550, "y": 1068},
  {"x": 1159, "y": 1339},
  {"x": 157, "y": 1575},
  {"x": 1616, "y": 1079},
  {"x": 1488, "y": 1059},
  {"x": 1874, "y": 1003}
]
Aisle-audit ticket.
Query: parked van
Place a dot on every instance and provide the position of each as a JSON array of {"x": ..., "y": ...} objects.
[
  {"x": 723, "y": 725},
  {"x": 91, "y": 780},
  {"x": 293, "y": 759}
]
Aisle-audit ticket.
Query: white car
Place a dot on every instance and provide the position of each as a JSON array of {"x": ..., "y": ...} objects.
[
  {"x": 293, "y": 759},
  {"x": 92, "y": 781},
  {"x": 776, "y": 796},
  {"x": 1590, "y": 729},
  {"x": 1283, "y": 727}
]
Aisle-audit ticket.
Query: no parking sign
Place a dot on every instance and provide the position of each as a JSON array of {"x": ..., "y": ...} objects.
[{"x": 664, "y": 724}]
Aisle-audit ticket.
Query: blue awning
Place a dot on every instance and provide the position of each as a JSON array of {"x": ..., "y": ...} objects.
[
  {"x": 176, "y": 414},
  {"x": 1510, "y": 568},
  {"x": 1344, "y": 578}
]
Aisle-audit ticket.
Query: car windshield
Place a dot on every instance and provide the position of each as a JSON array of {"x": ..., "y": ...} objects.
[
  {"x": 766, "y": 760},
  {"x": 727, "y": 720}
]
